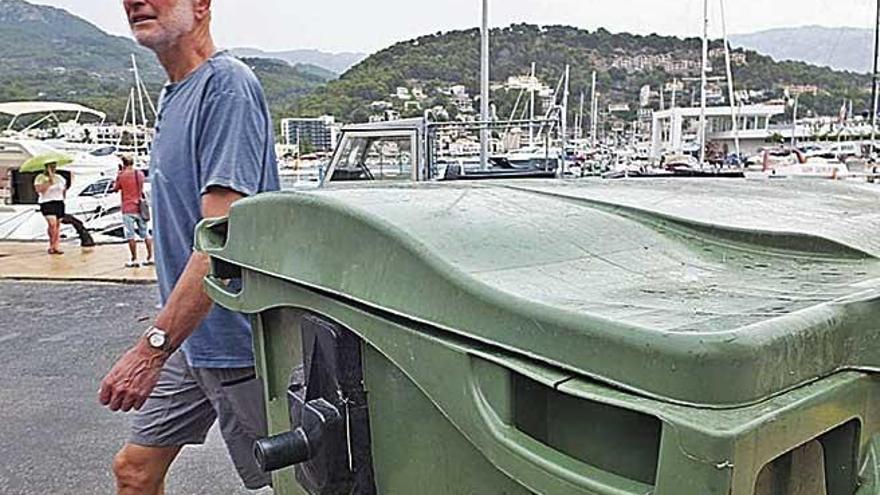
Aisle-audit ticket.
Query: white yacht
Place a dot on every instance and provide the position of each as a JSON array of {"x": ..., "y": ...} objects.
[
  {"x": 797, "y": 165},
  {"x": 89, "y": 199},
  {"x": 71, "y": 127}
]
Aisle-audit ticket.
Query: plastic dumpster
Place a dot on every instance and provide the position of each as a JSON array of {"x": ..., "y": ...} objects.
[{"x": 666, "y": 337}]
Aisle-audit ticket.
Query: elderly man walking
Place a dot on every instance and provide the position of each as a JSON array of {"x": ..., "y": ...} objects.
[{"x": 214, "y": 145}]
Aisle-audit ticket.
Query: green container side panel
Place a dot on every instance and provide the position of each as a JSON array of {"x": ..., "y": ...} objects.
[
  {"x": 416, "y": 449},
  {"x": 278, "y": 351},
  {"x": 570, "y": 435}
]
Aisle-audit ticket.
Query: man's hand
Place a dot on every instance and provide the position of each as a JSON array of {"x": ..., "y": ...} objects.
[{"x": 131, "y": 380}]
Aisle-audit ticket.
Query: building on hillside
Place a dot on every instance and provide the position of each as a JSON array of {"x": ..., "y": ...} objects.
[
  {"x": 523, "y": 83},
  {"x": 458, "y": 97},
  {"x": 801, "y": 89},
  {"x": 463, "y": 103},
  {"x": 386, "y": 116},
  {"x": 381, "y": 106},
  {"x": 715, "y": 94},
  {"x": 320, "y": 133},
  {"x": 736, "y": 57},
  {"x": 456, "y": 90}
]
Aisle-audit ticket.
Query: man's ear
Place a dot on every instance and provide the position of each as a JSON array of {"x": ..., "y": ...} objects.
[{"x": 202, "y": 9}]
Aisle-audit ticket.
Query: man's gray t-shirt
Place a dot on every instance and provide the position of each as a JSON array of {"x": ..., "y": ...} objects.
[{"x": 213, "y": 130}]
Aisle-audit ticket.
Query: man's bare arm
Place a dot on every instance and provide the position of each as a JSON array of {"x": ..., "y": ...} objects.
[
  {"x": 189, "y": 304},
  {"x": 131, "y": 380}
]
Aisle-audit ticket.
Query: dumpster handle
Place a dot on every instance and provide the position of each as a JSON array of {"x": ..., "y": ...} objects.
[
  {"x": 212, "y": 234},
  {"x": 217, "y": 290},
  {"x": 519, "y": 445}
]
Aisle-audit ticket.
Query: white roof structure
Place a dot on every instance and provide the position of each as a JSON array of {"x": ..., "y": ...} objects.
[
  {"x": 19, "y": 108},
  {"x": 752, "y": 126},
  {"x": 761, "y": 110}
]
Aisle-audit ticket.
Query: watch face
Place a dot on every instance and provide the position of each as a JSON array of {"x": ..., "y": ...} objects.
[{"x": 157, "y": 340}]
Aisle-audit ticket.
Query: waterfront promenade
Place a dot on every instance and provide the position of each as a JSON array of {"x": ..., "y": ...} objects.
[{"x": 102, "y": 263}]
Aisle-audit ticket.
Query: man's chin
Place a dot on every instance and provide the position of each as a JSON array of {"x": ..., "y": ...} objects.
[{"x": 152, "y": 40}]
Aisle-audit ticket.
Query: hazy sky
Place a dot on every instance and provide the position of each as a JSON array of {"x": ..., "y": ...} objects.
[{"x": 369, "y": 25}]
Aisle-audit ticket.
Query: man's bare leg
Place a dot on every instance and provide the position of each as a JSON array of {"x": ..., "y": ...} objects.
[
  {"x": 141, "y": 470},
  {"x": 132, "y": 248},
  {"x": 149, "y": 243}
]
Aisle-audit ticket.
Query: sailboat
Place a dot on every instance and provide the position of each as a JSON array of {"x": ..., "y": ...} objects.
[{"x": 91, "y": 174}]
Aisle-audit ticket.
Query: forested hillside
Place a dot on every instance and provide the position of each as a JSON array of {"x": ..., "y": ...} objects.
[{"x": 448, "y": 58}]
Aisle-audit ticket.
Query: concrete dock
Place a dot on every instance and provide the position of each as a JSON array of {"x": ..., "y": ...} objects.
[
  {"x": 102, "y": 263},
  {"x": 58, "y": 340}
]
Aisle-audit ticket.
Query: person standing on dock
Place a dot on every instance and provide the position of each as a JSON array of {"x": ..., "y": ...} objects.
[
  {"x": 135, "y": 211},
  {"x": 51, "y": 189},
  {"x": 214, "y": 145}
]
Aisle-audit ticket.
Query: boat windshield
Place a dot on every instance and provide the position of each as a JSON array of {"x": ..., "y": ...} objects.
[
  {"x": 103, "y": 151},
  {"x": 375, "y": 157},
  {"x": 98, "y": 189}
]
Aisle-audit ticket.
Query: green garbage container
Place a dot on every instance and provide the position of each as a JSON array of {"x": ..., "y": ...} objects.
[{"x": 679, "y": 337}]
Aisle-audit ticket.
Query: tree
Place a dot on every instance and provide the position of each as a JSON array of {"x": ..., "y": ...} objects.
[{"x": 306, "y": 147}]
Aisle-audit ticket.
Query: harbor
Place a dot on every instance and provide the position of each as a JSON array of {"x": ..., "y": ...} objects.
[{"x": 520, "y": 257}]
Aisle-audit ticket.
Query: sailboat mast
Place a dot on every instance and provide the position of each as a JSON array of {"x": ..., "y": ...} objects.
[
  {"x": 140, "y": 93},
  {"x": 124, "y": 120},
  {"x": 594, "y": 109},
  {"x": 134, "y": 127},
  {"x": 580, "y": 127},
  {"x": 703, "y": 82},
  {"x": 674, "y": 89},
  {"x": 532, "y": 82},
  {"x": 730, "y": 92},
  {"x": 484, "y": 88},
  {"x": 565, "y": 97},
  {"x": 874, "y": 95}
]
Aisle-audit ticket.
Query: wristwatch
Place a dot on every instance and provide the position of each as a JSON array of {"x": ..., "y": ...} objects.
[{"x": 158, "y": 339}]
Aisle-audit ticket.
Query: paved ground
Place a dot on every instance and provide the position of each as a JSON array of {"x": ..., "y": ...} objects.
[
  {"x": 56, "y": 342},
  {"x": 104, "y": 263}
]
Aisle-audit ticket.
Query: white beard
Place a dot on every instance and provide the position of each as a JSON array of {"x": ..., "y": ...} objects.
[{"x": 172, "y": 26}]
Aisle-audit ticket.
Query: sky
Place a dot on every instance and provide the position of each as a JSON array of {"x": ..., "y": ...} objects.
[{"x": 370, "y": 25}]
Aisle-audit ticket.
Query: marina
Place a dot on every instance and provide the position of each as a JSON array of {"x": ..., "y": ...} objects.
[{"x": 521, "y": 259}]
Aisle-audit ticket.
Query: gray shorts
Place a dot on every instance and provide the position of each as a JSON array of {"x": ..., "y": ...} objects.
[{"x": 187, "y": 401}]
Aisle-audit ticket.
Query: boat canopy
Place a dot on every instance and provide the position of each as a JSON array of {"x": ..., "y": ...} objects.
[
  {"x": 416, "y": 124},
  {"x": 18, "y": 108}
]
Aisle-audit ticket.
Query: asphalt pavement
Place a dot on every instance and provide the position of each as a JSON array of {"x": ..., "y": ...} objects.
[{"x": 56, "y": 343}]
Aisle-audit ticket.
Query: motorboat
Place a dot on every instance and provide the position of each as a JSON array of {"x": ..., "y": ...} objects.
[
  {"x": 798, "y": 165},
  {"x": 403, "y": 150},
  {"x": 89, "y": 198}
]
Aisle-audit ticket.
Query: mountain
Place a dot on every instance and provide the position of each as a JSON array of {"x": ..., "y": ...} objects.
[
  {"x": 283, "y": 83},
  {"x": 624, "y": 63},
  {"x": 839, "y": 48},
  {"x": 36, "y": 37},
  {"x": 337, "y": 63},
  {"x": 319, "y": 72},
  {"x": 48, "y": 53}
]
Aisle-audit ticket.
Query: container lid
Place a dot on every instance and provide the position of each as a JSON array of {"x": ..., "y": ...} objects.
[{"x": 707, "y": 292}]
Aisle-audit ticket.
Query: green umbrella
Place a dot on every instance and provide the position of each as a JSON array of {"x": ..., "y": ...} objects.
[{"x": 39, "y": 162}]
